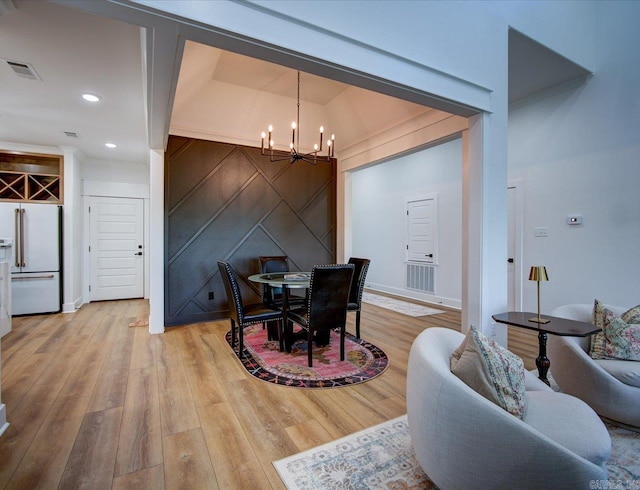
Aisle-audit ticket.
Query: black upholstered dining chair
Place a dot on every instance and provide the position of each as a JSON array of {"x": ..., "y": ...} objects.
[
  {"x": 244, "y": 315},
  {"x": 272, "y": 296},
  {"x": 327, "y": 305},
  {"x": 357, "y": 287}
]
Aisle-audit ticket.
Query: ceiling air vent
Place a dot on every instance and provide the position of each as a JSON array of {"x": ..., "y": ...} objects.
[
  {"x": 71, "y": 134},
  {"x": 24, "y": 70}
]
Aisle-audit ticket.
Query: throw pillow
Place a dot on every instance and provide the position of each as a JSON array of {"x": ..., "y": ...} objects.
[
  {"x": 622, "y": 339},
  {"x": 598, "y": 342},
  {"x": 491, "y": 370}
]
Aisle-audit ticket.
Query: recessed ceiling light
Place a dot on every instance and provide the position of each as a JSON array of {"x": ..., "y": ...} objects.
[
  {"x": 91, "y": 98},
  {"x": 110, "y": 145}
]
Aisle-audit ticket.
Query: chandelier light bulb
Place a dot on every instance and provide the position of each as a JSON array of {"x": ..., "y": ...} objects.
[
  {"x": 315, "y": 147},
  {"x": 263, "y": 135},
  {"x": 270, "y": 128},
  {"x": 321, "y": 129},
  {"x": 293, "y": 125}
]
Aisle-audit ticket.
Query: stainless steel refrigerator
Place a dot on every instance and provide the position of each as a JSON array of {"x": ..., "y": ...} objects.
[{"x": 36, "y": 231}]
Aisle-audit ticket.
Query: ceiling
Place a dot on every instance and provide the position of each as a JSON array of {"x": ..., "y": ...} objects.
[
  {"x": 74, "y": 52},
  {"x": 274, "y": 79}
]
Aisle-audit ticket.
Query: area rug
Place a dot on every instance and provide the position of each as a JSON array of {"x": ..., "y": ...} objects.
[
  {"x": 382, "y": 457},
  {"x": 399, "y": 306},
  {"x": 262, "y": 358}
]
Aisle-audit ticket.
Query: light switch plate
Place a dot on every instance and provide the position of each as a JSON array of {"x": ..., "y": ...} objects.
[{"x": 541, "y": 231}]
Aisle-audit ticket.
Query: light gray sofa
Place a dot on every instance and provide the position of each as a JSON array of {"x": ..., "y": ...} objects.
[
  {"x": 462, "y": 440},
  {"x": 595, "y": 381}
]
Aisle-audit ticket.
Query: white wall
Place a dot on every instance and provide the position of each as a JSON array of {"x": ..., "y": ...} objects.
[
  {"x": 379, "y": 195},
  {"x": 566, "y": 27},
  {"x": 578, "y": 152},
  {"x": 114, "y": 171}
]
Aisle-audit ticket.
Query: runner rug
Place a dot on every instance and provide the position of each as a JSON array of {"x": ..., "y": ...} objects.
[
  {"x": 262, "y": 358},
  {"x": 381, "y": 457},
  {"x": 399, "y": 306}
]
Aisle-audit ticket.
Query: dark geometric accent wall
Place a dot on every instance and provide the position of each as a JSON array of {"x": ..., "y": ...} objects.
[{"x": 227, "y": 202}]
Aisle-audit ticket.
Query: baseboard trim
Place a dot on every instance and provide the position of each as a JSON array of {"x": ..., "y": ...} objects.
[
  {"x": 72, "y": 307},
  {"x": 415, "y": 295}
]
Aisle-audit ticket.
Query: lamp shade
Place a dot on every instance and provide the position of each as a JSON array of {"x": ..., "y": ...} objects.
[{"x": 538, "y": 273}]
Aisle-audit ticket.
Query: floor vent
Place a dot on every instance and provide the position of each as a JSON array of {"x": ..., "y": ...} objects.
[{"x": 421, "y": 277}]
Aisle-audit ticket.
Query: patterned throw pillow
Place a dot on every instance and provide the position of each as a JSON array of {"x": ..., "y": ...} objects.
[
  {"x": 599, "y": 342},
  {"x": 491, "y": 370},
  {"x": 622, "y": 339}
]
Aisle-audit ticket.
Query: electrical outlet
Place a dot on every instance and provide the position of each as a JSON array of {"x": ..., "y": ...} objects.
[{"x": 210, "y": 294}]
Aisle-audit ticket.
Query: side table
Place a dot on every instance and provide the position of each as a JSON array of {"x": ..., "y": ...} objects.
[{"x": 556, "y": 326}]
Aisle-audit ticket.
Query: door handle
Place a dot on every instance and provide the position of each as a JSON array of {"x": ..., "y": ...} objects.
[
  {"x": 26, "y": 278},
  {"x": 17, "y": 235},
  {"x": 429, "y": 255},
  {"x": 138, "y": 253},
  {"x": 510, "y": 260},
  {"x": 22, "y": 262}
]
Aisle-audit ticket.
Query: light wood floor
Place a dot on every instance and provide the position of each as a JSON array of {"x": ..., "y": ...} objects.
[{"x": 96, "y": 404}]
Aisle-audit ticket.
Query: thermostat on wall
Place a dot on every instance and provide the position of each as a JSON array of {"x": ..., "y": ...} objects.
[{"x": 574, "y": 220}]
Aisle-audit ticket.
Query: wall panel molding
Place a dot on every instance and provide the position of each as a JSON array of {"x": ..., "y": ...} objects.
[{"x": 227, "y": 202}]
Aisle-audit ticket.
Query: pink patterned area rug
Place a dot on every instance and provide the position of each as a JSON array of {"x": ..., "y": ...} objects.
[{"x": 262, "y": 358}]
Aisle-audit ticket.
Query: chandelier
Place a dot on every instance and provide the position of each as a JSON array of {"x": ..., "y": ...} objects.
[{"x": 294, "y": 155}]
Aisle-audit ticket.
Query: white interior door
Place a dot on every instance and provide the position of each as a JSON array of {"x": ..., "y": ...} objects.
[
  {"x": 116, "y": 248},
  {"x": 421, "y": 227},
  {"x": 511, "y": 250},
  {"x": 514, "y": 245}
]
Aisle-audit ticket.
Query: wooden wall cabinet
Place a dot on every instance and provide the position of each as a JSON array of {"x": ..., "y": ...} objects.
[{"x": 30, "y": 177}]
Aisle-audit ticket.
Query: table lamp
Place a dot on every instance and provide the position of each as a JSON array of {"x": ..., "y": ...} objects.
[{"x": 538, "y": 273}]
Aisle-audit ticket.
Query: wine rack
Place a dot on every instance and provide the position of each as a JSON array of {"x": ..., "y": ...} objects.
[{"x": 27, "y": 177}]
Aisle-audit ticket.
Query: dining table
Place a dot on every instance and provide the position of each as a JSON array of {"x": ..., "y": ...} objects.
[{"x": 285, "y": 281}]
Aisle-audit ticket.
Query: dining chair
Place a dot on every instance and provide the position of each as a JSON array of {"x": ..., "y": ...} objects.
[
  {"x": 326, "y": 308},
  {"x": 357, "y": 288},
  {"x": 272, "y": 296},
  {"x": 243, "y": 315}
]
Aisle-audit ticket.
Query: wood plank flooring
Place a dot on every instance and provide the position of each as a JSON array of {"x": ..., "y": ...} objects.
[{"x": 94, "y": 403}]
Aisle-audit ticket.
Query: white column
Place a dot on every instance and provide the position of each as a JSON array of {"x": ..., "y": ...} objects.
[
  {"x": 344, "y": 235},
  {"x": 72, "y": 230},
  {"x": 484, "y": 233},
  {"x": 156, "y": 242}
]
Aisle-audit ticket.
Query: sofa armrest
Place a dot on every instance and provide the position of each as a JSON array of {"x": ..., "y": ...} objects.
[{"x": 577, "y": 374}]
